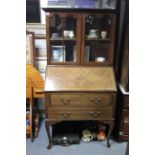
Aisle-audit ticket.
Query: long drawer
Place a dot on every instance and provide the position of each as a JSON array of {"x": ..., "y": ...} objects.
[
  {"x": 83, "y": 99},
  {"x": 80, "y": 114},
  {"x": 125, "y": 122}
]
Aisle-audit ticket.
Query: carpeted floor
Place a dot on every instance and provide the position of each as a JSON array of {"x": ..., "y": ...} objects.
[{"x": 39, "y": 147}]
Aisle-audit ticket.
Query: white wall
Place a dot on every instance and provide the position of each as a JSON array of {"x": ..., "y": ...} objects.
[{"x": 43, "y": 3}]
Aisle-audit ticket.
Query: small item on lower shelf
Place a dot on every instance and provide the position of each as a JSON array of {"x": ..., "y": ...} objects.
[
  {"x": 87, "y": 136},
  {"x": 65, "y": 133},
  {"x": 27, "y": 129},
  {"x": 101, "y": 134},
  {"x": 36, "y": 124},
  {"x": 27, "y": 115},
  {"x": 27, "y": 122}
]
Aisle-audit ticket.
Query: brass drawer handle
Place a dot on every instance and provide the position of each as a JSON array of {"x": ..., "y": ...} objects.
[
  {"x": 96, "y": 100},
  {"x": 92, "y": 99},
  {"x": 95, "y": 114},
  {"x": 125, "y": 110},
  {"x": 65, "y": 102},
  {"x": 65, "y": 115}
]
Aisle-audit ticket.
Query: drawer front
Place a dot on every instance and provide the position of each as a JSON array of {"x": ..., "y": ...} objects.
[
  {"x": 96, "y": 100},
  {"x": 84, "y": 100},
  {"x": 64, "y": 100},
  {"x": 126, "y": 101},
  {"x": 126, "y": 125},
  {"x": 123, "y": 137},
  {"x": 80, "y": 114},
  {"x": 125, "y": 122}
]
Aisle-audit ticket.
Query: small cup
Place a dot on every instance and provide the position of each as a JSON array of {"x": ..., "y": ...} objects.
[
  {"x": 103, "y": 34},
  {"x": 87, "y": 138},
  {"x": 100, "y": 59},
  {"x": 71, "y": 34},
  {"x": 65, "y": 33},
  {"x": 93, "y": 32},
  {"x": 55, "y": 35}
]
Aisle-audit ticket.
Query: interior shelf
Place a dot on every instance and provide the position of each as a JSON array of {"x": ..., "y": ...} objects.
[
  {"x": 62, "y": 39},
  {"x": 98, "y": 39}
]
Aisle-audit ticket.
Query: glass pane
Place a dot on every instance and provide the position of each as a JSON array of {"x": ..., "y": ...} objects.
[
  {"x": 98, "y": 35},
  {"x": 96, "y": 51},
  {"x": 63, "y": 38},
  {"x": 58, "y": 53},
  {"x": 94, "y": 26}
]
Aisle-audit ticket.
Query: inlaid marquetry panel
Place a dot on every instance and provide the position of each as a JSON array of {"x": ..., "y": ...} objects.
[{"x": 79, "y": 78}]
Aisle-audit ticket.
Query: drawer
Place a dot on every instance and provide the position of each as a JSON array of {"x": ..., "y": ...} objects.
[
  {"x": 80, "y": 114},
  {"x": 123, "y": 137},
  {"x": 126, "y": 101},
  {"x": 124, "y": 126},
  {"x": 96, "y": 99},
  {"x": 64, "y": 100},
  {"x": 84, "y": 100}
]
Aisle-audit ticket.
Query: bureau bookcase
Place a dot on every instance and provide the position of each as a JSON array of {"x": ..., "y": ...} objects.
[{"x": 80, "y": 82}]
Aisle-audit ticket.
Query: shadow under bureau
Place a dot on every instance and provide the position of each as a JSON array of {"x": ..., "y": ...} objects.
[{"x": 79, "y": 93}]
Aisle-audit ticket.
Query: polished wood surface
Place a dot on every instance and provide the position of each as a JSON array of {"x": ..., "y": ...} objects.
[
  {"x": 121, "y": 129},
  {"x": 66, "y": 100},
  {"x": 35, "y": 80},
  {"x": 80, "y": 37},
  {"x": 124, "y": 120},
  {"x": 34, "y": 89},
  {"x": 124, "y": 79},
  {"x": 80, "y": 114},
  {"x": 79, "y": 78},
  {"x": 79, "y": 93},
  {"x": 71, "y": 10}
]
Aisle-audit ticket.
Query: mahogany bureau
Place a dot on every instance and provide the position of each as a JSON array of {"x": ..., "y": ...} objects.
[{"x": 79, "y": 93}]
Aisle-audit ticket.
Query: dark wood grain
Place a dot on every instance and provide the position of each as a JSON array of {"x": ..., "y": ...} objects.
[
  {"x": 80, "y": 90},
  {"x": 81, "y": 38},
  {"x": 87, "y": 103}
]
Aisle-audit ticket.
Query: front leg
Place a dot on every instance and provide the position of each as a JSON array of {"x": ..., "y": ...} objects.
[
  {"x": 111, "y": 125},
  {"x": 47, "y": 125}
]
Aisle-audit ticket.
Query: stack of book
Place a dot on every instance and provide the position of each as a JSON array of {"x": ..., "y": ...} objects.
[
  {"x": 27, "y": 123},
  {"x": 36, "y": 124},
  {"x": 59, "y": 3},
  {"x": 84, "y": 3}
]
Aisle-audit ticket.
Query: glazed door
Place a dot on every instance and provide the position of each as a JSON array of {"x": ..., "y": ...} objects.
[
  {"x": 63, "y": 38},
  {"x": 98, "y": 38}
]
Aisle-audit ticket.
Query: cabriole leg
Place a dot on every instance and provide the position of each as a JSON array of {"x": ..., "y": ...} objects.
[
  {"x": 47, "y": 125},
  {"x": 111, "y": 125}
]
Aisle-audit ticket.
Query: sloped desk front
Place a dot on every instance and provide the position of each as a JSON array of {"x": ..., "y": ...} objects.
[{"x": 79, "y": 93}]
